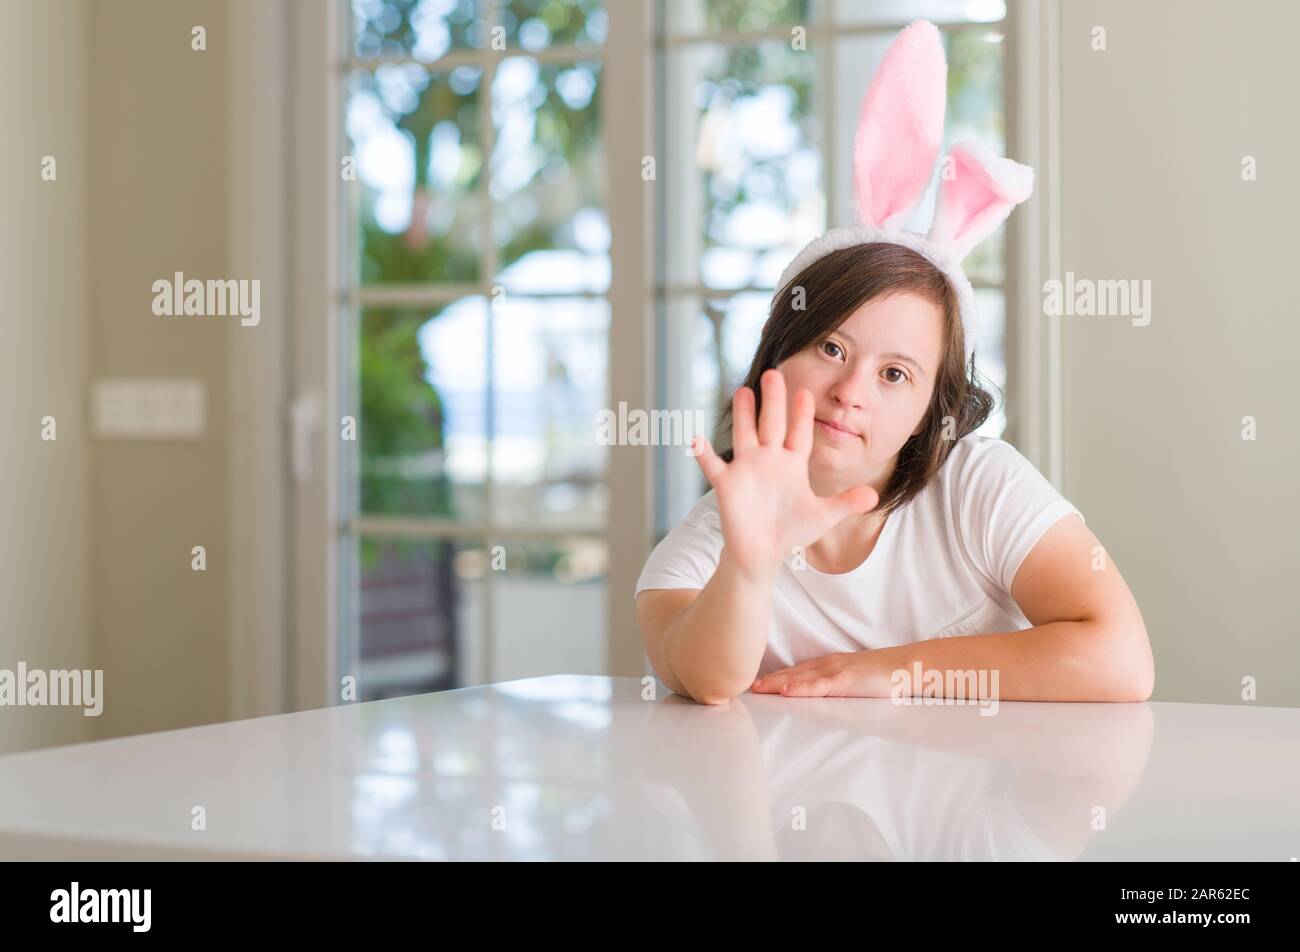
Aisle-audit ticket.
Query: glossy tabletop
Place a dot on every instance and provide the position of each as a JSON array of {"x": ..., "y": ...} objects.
[{"x": 578, "y": 768}]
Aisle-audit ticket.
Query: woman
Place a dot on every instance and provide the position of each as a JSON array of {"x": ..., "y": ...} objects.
[
  {"x": 862, "y": 515},
  {"x": 860, "y": 538}
]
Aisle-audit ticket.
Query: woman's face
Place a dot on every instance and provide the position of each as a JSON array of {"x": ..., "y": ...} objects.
[{"x": 862, "y": 380}]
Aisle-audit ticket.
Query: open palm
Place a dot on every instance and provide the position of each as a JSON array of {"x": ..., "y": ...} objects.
[{"x": 764, "y": 496}]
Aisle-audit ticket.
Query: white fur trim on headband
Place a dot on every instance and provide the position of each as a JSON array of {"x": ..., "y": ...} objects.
[{"x": 838, "y": 238}]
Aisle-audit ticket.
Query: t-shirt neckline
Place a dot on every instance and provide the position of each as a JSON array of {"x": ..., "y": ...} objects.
[{"x": 861, "y": 566}]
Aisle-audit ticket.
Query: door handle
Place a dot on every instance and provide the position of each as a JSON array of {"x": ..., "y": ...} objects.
[{"x": 304, "y": 413}]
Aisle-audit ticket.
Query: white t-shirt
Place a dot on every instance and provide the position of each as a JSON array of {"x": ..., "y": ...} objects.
[{"x": 943, "y": 564}]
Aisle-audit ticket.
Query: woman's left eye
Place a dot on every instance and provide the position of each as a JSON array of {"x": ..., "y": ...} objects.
[{"x": 897, "y": 370}]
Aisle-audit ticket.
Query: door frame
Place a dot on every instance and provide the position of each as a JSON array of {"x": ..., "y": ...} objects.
[{"x": 287, "y": 144}]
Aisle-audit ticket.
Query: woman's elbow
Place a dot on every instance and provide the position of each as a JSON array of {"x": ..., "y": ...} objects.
[
  {"x": 717, "y": 692},
  {"x": 1144, "y": 683},
  {"x": 1133, "y": 679},
  {"x": 715, "y": 698},
  {"x": 700, "y": 693},
  {"x": 712, "y": 687}
]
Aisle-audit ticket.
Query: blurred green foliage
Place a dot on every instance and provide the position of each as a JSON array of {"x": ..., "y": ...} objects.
[{"x": 402, "y": 415}]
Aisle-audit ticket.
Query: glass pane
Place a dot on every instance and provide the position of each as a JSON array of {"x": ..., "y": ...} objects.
[
  {"x": 743, "y": 317},
  {"x": 537, "y": 24},
  {"x": 549, "y": 608},
  {"x": 708, "y": 347},
  {"x": 704, "y": 16},
  {"x": 548, "y": 177},
  {"x": 975, "y": 111},
  {"x": 689, "y": 381},
  {"x": 423, "y": 413},
  {"x": 902, "y": 12},
  {"x": 415, "y": 139},
  {"x": 990, "y": 353},
  {"x": 744, "y": 161},
  {"x": 419, "y": 611},
  {"x": 550, "y": 384},
  {"x": 419, "y": 29}
]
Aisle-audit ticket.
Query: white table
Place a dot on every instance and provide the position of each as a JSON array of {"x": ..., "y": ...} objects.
[{"x": 571, "y": 767}]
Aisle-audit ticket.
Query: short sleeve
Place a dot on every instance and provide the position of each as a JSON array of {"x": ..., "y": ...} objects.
[
  {"x": 1006, "y": 505},
  {"x": 688, "y": 555}
]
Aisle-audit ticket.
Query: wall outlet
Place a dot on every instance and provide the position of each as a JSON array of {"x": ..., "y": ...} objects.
[{"x": 135, "y": 408}]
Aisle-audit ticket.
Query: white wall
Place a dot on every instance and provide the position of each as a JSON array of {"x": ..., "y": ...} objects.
[
  {"x": 44, "y": 323},
  {"x": 1204, "y": 525},
  {"x": 159, "y": 203},
  {"x": 95, "y": 535}
]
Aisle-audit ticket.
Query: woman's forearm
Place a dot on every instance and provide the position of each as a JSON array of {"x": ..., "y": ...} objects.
[
  {"x": 1059, "y": 661},
  {"x": 714, "y": 647}
]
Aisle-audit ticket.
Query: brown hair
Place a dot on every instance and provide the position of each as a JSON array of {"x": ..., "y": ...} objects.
[{"x": 835, "y": 286}]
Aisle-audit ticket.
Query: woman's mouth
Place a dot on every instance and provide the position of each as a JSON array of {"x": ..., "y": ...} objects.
[{"x": 834, "y": 431}]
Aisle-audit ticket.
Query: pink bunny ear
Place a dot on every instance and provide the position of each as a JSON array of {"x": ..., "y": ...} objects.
[
  {"x": 976, "y": 197},
  {"x": 900, "y": 127}
]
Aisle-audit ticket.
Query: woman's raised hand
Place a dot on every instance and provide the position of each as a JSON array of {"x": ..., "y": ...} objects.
[{"x": 764, "y": 497}]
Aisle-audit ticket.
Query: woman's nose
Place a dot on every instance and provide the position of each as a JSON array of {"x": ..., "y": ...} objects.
[{"x": 849, "y": 391}]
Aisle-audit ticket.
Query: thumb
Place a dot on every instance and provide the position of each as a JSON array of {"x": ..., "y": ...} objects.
[{"x": 854, "y": 501}]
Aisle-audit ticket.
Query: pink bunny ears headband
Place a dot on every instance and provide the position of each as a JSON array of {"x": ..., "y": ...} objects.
[{"x": 900, "y": 131}]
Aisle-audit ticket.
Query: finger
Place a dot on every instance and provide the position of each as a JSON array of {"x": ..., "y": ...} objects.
[
  {"x": 711, "y": 463},
  {"x": 771, "y": 420},
  {"x": 771, "y": 683},
  {"x": 808, "y": 687},
  {"x": 706, "y": 456},
  {"x": 743, "y": 435},
  {"x": 799, "y": 439}
]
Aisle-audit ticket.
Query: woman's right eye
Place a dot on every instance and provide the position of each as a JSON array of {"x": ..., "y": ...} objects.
[{"x": 830, "y": 344}]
